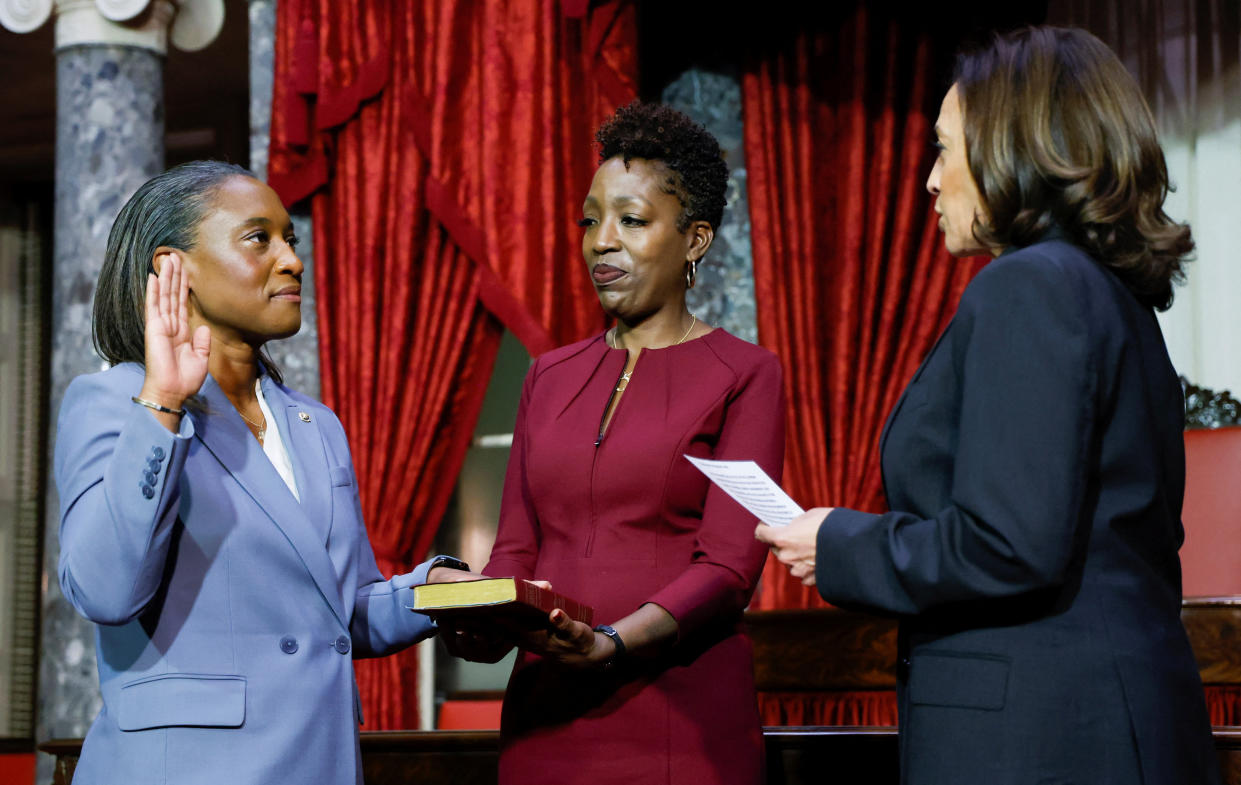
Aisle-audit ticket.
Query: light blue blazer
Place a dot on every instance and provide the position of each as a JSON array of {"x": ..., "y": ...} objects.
[{"x": 228, "y": 613}]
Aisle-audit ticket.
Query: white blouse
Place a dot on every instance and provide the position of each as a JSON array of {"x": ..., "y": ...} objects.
[{"x": 273, "y": 445}]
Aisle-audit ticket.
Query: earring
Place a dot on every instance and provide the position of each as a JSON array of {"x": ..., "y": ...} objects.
[{"x": 691, "y": 273}]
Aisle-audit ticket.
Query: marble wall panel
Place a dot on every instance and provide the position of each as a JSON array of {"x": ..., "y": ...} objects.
[
  {"x": 724, "y": 293},
  {"x": 297, "y": 357}
]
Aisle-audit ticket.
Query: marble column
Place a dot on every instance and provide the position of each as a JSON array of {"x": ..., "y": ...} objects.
[
  {"x": 724, "y": 293},
  {"x": 298, "y": 357},
  {"x": 109, "y": 140}
]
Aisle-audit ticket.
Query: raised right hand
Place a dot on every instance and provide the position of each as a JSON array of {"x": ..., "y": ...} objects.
[{"x": 176, "y": 361}]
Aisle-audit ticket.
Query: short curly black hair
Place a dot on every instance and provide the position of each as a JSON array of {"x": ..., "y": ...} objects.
[{"x": 656, "y": 132}]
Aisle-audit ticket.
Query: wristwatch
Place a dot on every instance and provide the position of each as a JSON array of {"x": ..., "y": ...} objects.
[
  {"x": 451, "y": 562},
  {"x": 616, "y": 639}
]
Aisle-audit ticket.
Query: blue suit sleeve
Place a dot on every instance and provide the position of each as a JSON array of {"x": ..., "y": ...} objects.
[
  {"x": 382, "y": 621},
  {"x": 118, "y": 474},
  {"x": 1023, "y": 354}
]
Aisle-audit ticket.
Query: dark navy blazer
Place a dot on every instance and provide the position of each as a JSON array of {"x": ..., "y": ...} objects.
[
  {"x": 228, "y": 614},
  {"x": 1035, "y": 468}
]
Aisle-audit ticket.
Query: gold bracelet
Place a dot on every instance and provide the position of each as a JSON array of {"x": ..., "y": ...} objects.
[{"x": 157, "y": 407}]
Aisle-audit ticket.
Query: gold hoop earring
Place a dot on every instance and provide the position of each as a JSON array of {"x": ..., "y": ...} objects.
[{"x": 691, "y": 274}]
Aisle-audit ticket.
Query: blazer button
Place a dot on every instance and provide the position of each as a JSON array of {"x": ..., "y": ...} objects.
[
  {"x": 341, "y": 645},
  {"x": 157, "y": 453},
  {"x": 147, "y": 491},
  {"x": 288, "y": 644}
]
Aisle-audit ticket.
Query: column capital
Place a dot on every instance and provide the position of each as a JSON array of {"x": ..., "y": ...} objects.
[{"x": 144, "y": 24}]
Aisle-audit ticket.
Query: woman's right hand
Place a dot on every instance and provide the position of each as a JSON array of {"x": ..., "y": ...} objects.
[
  {"x": 176, "y": 360},
  {"x": 476, "y": 643}
]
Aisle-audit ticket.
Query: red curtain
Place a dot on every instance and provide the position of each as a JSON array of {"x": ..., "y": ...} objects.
[
  {"x": 1224, "y": 704},
  {"x": 445, "y": 147},
  {"x": 852, "y": 281},
  {"x": 872, "y": 708}
]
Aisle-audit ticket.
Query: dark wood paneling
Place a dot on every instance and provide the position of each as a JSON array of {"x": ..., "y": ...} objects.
[
  {"x": 823, "y": 649},
  {"x": 1214, "y": 627},
  {"x": 795, "y": 756},
  {"x": 429, "y": 757},
  {"x": 832, "y": 650}
]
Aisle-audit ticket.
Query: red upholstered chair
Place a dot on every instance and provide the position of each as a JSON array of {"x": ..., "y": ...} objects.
[
  {"x": 1211, "y": 555},
  {"x": 1211, "y": 564},
  {"x": 469, "y": 715}
]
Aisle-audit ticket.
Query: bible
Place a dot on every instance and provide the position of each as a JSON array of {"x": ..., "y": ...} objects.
[{"x": 508, "y": 602}]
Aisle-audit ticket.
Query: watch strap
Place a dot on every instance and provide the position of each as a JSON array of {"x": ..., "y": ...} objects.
[
  {"x": 452, "y": 562},
  {"x": 619, "y": 652}
]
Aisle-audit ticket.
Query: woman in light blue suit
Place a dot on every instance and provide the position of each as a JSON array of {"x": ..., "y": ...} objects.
[{"x": 210, "y": 523}]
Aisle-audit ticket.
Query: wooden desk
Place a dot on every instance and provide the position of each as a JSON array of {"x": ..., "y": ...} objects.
[
  {"x": 789, "y": 646},
  {"x": 795, "y": 756}
]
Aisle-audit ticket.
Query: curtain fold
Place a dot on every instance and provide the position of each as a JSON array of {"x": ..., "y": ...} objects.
[
  {"x": 1224, "y": 704},
  {"x": 445, "y": 148},
  {"x": 852, "y": 282},
  {"x": 870, "y": 708}
]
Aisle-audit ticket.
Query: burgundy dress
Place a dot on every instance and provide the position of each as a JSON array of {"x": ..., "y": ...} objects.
[{"x": 621, "y": 520}]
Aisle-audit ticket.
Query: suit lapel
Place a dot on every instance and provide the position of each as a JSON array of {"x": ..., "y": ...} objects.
[
  {"x": 223, "y": 433},
  {"x": 304, "y": 443},
  {"x": 887, "y": 426}
]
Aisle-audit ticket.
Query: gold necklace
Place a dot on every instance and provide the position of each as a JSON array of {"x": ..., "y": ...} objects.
[
  {"x": 623, "y": 382},
  {"x": 610, "y": 336},
  {"x": 262, "y": 428}
]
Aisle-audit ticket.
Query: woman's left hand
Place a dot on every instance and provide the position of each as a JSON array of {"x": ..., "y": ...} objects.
[
  {"x": 794, "y": 545},
  {"x": 451, "y": 575},
  {"x": 569, "y": 642}
]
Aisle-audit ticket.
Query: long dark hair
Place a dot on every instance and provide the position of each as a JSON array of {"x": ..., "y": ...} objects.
[
  {"x": 1058, "y": 134},
  {"x": 165, "y": 211}
]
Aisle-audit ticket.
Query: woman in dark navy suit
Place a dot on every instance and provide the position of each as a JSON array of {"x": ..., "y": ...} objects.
[{"x": 1034, "y": 466}]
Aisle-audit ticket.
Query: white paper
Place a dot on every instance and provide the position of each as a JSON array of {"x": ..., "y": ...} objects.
[{"x": 749, "y": 485}]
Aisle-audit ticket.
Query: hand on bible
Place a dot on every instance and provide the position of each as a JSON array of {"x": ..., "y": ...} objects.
[
  {"x": 473, "y": 640},
  {"x": 450, "y": 575},
  {"x": 794, "y": 545}
]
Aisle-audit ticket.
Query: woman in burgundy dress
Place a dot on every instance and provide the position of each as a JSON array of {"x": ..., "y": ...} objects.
[{"x": 600, "y": 500}]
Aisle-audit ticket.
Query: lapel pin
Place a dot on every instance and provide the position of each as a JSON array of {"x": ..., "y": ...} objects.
[{"x": 303, "y": 416}]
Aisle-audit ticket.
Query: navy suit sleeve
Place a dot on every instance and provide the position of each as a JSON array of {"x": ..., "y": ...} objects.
[
  {"x": 118, "y": 476},
  {"x": 1022, "y": 351}
]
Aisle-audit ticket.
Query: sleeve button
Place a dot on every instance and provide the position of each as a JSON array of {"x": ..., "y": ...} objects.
[
  {"x": 157, "y": 453},
  {"x": 149, "y": 477},
  {"x": 153, "y": 466},
  {"x": 147, "y": 491}
]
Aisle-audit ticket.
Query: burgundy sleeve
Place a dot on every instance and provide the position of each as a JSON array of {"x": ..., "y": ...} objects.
[
  {"x": 516, "y": 549},
  {"x": 727, "y": 559}
]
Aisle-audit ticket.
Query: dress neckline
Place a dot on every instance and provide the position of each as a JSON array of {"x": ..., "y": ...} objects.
[{"x": 603, "y": 338}]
